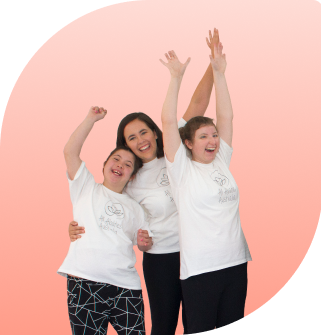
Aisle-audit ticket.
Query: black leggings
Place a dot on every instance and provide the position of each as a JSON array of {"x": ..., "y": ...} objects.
[
  {"x": 161, "y": 272},
  {"x": 215, "y": 299},
  {"x": 92, "y": 305}
]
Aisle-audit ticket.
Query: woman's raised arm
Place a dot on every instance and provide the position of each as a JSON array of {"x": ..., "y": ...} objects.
[
  {"x": 74, "y": 145},
  {"x": 224, "y": 112},
  {"x": 171, "y": 136}
]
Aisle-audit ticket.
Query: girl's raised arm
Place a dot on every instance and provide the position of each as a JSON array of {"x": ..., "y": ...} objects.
[
  {"x": 224, "y": 112},
  {"x": 74, "y": 145},
  {"x": 171, "y": 136}
]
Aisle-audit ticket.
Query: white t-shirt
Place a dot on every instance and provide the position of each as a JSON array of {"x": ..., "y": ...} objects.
[
  {"x": 152, "y": 191},
  {"x": 207, "y": 200},
  {"x": 111, "y": 220}
]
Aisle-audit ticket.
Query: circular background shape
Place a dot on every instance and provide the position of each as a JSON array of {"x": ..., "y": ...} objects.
[{"x": 110, "y": 58}]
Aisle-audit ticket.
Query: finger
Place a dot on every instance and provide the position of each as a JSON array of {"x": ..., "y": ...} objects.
[
  {"x": 162, "y": 62},
  {"x": 207, "y": 42},
  {"x": 220, "y": 48},
  {"x": 174, "y": 54},
  {"x": 167, "y": 56},
  {"x": 77, "y": 231},
  {"x": 188, "y": 61},
  {"x": 73, "y": 223},
  {"x": 210, "y": 35}
]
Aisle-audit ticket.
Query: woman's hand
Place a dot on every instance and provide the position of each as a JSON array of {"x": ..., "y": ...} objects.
[
  {"x": 213, "y": 40},
  {"x": 175, "y": 67},
  {"x": 96, "y": 113},
  {"x": 218, "y": 60},
  {"x": 144, "y": 242},
  {"x": 74, "y": 230}
]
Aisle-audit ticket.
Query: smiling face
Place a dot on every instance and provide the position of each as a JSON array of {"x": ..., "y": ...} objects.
[
  {"x": 118, "y": 170},
  {"x": 205, "y": 145},
  {"x": 141, "y": 140}
]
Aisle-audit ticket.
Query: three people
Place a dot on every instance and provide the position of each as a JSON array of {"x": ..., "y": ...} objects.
[{"x": 207, "y": 236}]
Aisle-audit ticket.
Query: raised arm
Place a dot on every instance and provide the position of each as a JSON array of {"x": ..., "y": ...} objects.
[
  {"x": 74, "y": 145},
  {"x": 171, "y": 136},
  {"x": 201, "y": 97},
  {"x": 224, "y": 112}
]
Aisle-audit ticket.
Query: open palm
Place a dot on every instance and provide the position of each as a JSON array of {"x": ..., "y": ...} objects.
[{"x": 175, "y": 67}]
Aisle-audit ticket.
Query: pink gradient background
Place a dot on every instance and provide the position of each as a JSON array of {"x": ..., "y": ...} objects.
[{"x": 110, "y": 58}]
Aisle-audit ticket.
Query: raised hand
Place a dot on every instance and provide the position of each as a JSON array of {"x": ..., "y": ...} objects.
[
  {"x": 74, "y": 230},
  {"x": 218, "y": 60},
  {"x": 96, "y": 113},
  {"x": 213, "y": 40},
  {"x": 144, "y": 242},
  {"x": 175, "y": 67}
]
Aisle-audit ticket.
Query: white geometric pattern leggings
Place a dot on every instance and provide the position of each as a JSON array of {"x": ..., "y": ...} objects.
[{"x": 93, "y": 305}]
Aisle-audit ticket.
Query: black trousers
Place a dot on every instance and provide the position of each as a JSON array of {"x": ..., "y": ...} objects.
[
  {"x": 215, "y": 299},
  {"x": 161, "y": 272},
  {"x": 92, "y": 305}
]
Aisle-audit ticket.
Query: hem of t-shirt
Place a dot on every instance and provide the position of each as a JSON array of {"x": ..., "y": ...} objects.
[
  {"x": 64, "y": 273},
  {"x": 78, "y": 172},
  {"x": 163, "y": 251},
  {"x": 221, "y": 267}
]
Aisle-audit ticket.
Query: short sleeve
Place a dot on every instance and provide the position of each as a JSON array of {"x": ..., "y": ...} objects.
[
  {"x": 225, "y": 152},
  {"x": 181, "y": 123},
  {"x": 176, "y": 170},
  {"x": 82, "y": 182}
]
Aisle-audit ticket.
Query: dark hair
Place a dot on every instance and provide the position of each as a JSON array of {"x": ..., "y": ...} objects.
[
  {"x": 137, "y": 163},
  {"x": 150, "y": 124},
  {"x": 188, "y": 131}
]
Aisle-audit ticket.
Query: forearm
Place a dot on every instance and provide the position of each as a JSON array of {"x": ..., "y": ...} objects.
[
  {"x": 74, "y": 144},
  {"x": 223, "y": 100},
  {"x": 201, "y": 97},
  {"x": 169, "y": 110}
]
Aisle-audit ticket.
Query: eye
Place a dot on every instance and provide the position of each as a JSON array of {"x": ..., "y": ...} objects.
[
  {"x": 215, "y": 135},
  {"x": 203, "y": 136},
  {"x": 116, "y": 159},
  {"x": 131, "y": 138},
  {"x": 128, "y": 165},
  {"x": 143, "y": 133}
]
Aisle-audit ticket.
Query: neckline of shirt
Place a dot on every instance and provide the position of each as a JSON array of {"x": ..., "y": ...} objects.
[
  {"x": 116, "y": 194},
  {"x": 150, "y": 164}
]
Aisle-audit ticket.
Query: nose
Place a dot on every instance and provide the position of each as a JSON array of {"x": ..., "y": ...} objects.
[{"x": 120, "y": 165}]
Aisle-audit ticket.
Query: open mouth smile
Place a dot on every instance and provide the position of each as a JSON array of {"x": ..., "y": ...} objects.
[
  {"x": 117, "y": 173},
  {"x": 210, "y": 149},
  {"x": 144, "y": 148}
]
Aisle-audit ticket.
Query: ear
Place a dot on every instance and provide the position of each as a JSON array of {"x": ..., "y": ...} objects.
[
  {"x": 189, "y": 144},
  {"x": 156, "y": 137},
  {"x": 132, "y": 177}
]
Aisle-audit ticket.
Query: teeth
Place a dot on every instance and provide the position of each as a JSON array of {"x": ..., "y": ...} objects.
[
  {"x": 117, "y": 173},
  {"x": 210, "y": 149},
  {"x": 144, "y": 148}
]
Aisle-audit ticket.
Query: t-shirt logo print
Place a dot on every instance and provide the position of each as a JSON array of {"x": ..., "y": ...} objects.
[
  {"x": 162, "y": 179},
  {"x": 114, "y": 209},
  {"x": 220, "y": 179}
]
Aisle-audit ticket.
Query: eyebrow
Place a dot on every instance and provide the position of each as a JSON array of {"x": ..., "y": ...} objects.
[
  {"x": 207, "y": 134},
  {"x": 121, "y": 158},
  {"x": 139, "y": 132}
]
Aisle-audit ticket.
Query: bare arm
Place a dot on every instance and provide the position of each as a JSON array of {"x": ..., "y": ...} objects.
[
  {"x": 74, "y": 145},
  {"x": 171, "y": 136},
  {"x": 201, "y": 97},
  {"x": 224, "y": 112}
]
